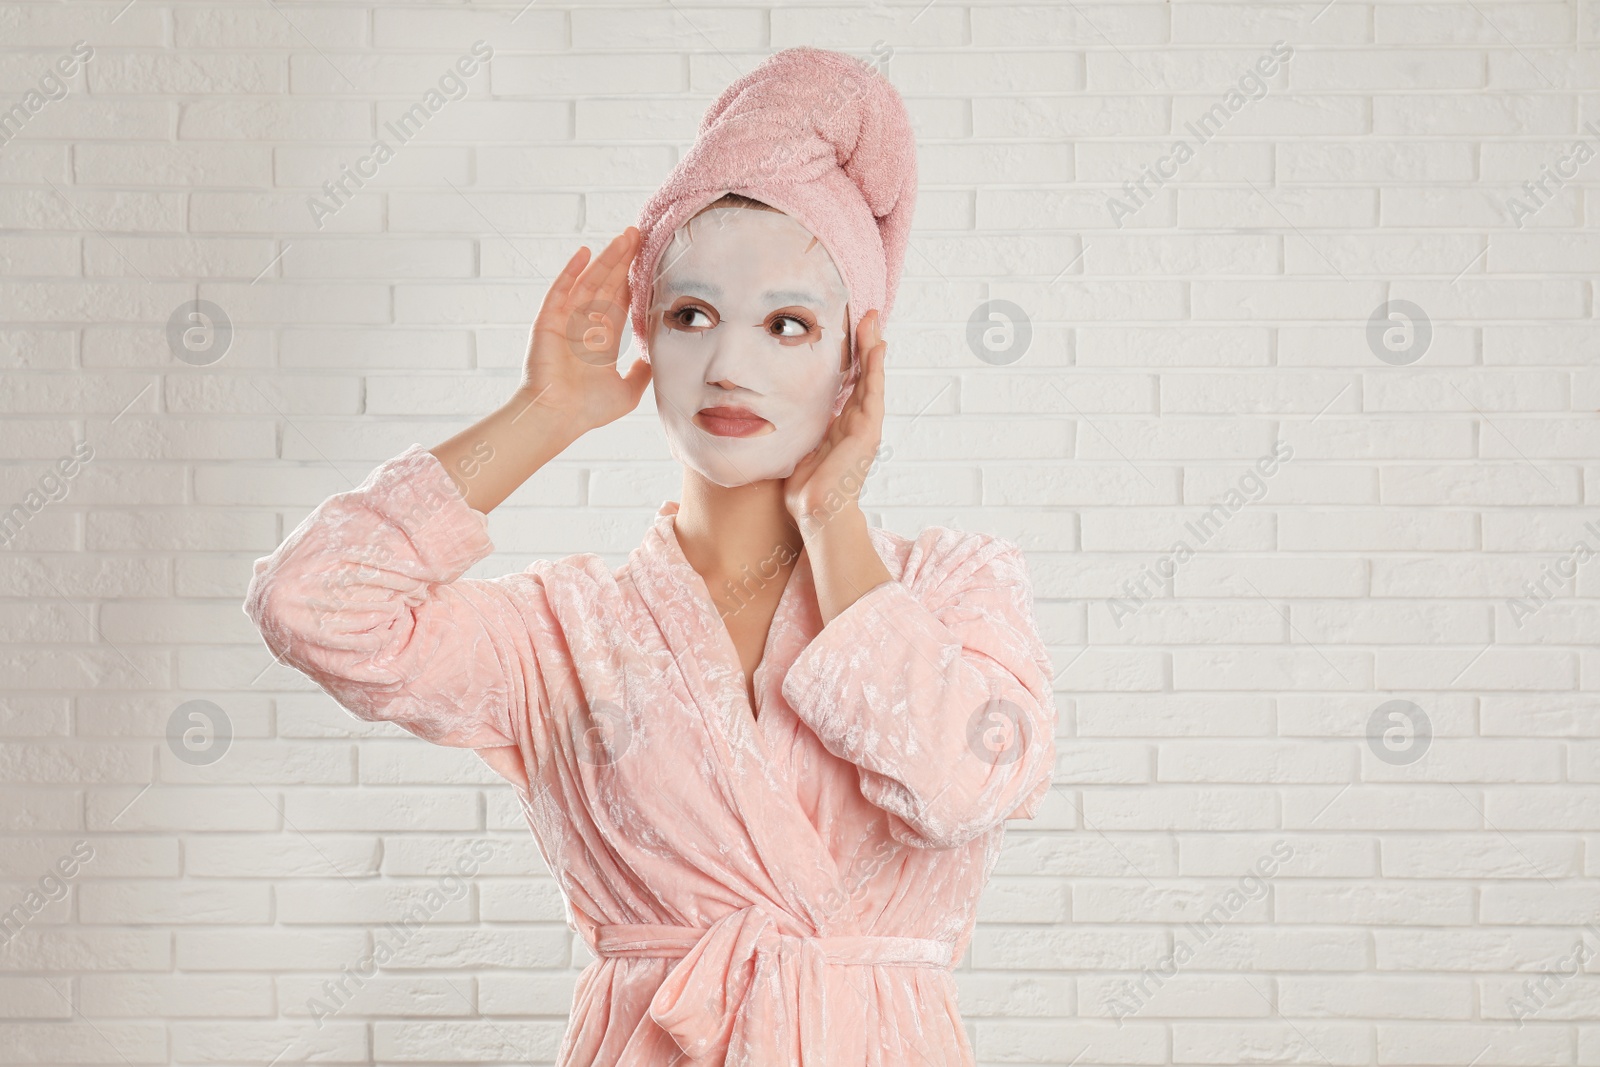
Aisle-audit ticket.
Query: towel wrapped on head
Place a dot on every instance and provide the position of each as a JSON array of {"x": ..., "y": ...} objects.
[{"x": 819, "y": 135}]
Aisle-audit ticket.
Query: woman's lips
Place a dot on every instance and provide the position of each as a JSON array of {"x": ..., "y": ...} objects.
[{"x": 730, "y": 421}]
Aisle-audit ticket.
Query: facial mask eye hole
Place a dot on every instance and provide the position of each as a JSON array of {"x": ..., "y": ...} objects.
[
  {"x": 793, "y": 326},
  {"x": 689, "y": 317}
]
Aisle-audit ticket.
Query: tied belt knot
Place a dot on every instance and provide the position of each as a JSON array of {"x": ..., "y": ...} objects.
[{"x": 699, "y": 1003}]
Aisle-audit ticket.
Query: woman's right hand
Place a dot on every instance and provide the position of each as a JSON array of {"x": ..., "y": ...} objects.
[
  {"x": 570, "y": 383},
  {"x": 571, "y": 369}
]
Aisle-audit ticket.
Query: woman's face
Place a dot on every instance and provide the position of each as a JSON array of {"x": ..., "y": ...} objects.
[{"x": 747, "y": 343}]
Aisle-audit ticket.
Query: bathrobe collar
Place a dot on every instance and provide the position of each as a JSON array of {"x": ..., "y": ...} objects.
[
  {"x": 811, "y": 886},
  {"x": 795, "y": 622}
]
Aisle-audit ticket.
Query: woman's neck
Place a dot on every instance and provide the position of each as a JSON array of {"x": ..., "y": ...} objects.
[{"x": 743, "y": 535}]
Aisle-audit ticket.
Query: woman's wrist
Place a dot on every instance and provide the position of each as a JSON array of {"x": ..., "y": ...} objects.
[
  {"x": 490, "y": 459},
  {"x": 844, "y": 563},
  {"x": 542, "y": 423},
  {"x": 834, "y": 512}
]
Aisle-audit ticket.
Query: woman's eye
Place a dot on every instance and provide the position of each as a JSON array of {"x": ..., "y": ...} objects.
[
  {"x": 684, "y": 317},
  {"x": 800, "y": 327}
]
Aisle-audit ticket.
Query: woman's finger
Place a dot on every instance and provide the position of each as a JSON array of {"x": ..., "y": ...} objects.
[
  {"x": 555, "y": 298},
  {"x": 616, "y": 293},
  {"x": 618, "y": 276},
  {"x": 599, "y": 273},
  {"x": 868, "y": 394},
  {"x": 872, "y": 402}
]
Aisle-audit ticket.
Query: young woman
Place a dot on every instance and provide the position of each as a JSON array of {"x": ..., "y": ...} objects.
[{"x": 769, "y": 758}]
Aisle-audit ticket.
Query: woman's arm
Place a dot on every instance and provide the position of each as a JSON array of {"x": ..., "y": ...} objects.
[
  {"x": 822, "y": 492},
  {"x": 945, "y": 706},
  {"x": 569, "y": 381},
  {"x": 937, "y": 687},
  {"x": 366, "y": 596},
  {"x": 489, "y": 459}
]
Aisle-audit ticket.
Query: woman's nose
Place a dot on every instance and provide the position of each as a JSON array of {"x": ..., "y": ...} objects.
[{"x": 734, "y": 359}]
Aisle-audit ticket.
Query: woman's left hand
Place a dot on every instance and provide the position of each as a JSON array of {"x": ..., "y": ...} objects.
[{"x": 828, "y": 479}]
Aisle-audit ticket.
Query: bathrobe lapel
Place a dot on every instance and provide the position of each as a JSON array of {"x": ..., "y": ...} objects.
[{"x": 748, "y": 753}]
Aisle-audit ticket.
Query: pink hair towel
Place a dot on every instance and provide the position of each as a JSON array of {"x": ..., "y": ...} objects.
[{"x": 819, "y": 135}]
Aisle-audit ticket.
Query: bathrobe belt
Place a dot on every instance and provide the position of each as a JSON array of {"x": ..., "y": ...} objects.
[{"x": 698, "y": 1003}]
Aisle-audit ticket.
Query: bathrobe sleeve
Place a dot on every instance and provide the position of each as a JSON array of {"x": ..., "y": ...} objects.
[
  {"x": 939, "y": 691},
  {"x": 366, "y": 598}
]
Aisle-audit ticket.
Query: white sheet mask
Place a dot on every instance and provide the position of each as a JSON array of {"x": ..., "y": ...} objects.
[{"x": 721, "y": 336}]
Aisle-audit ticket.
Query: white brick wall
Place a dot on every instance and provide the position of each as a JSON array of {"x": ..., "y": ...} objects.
[{"x": 1214, "y": 719}]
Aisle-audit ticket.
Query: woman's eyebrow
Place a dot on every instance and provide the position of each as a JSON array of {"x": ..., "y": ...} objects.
[
  {"x": 693, "y": 287},
  {"x": 696, "y": 287},
  {"x": 792, "y": 296}
]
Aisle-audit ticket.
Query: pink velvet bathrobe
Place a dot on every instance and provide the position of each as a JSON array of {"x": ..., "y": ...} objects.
[{"x": 787, "y": 888}]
